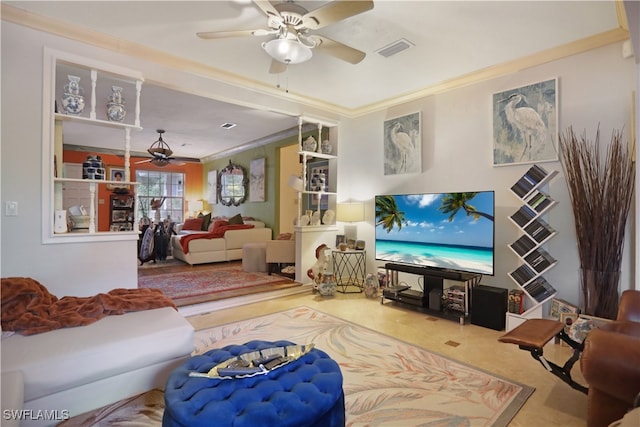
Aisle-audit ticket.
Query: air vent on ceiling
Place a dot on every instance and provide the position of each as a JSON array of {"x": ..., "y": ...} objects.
[
  {"x": 227, "y": 125},
  {"x": 395, "y": 47}
]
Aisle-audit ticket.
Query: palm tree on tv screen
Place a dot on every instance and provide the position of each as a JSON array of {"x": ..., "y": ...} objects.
[
  {"x": 453, "y": 202},
  {"x": 387, "y": 213}
]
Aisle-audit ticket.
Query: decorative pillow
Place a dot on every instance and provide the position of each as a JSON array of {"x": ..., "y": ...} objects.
[
  {"x": 236, "y": 219},
  {"x": 206, "y": 220},
  {"x": 192, "y": 224}
]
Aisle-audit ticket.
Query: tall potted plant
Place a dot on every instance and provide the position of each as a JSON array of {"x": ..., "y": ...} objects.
[{"x": 601, "y": 188}]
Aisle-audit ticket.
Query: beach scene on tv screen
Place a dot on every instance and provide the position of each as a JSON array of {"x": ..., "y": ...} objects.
[{"x": 446, "y": 230}]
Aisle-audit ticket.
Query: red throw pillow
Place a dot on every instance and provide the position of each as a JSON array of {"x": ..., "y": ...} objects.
[{"x": 193, "y": 224}]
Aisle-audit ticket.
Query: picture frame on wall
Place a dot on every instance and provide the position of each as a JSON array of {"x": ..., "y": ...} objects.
[
  {"x": 212, "y": 186},
  {"x": 402, "y": 145},
  {"x": 115, "y": 174},
  {"x": 525, "y": 124},
  {"x": 257, "y": 180},
  {"x": 318, "y": 180}
]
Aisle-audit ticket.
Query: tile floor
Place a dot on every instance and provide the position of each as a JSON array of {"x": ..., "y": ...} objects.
[{"x": 553, "y": 403}]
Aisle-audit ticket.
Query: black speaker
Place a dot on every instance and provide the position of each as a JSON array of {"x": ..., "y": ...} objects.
[{"x": 489, "y": 307}]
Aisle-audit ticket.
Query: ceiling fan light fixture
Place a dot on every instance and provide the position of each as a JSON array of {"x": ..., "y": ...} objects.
[
  {"x": 287, "y": 51},
  {"x": 160, "y": 148}
]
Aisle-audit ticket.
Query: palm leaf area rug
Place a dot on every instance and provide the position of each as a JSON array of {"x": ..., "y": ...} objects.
[
  {"x": 387, "y": 382},
  {"x": 203, "y": 284}
]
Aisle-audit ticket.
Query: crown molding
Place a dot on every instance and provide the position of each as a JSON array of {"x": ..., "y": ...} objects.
[{"x": 40, "y": 23}]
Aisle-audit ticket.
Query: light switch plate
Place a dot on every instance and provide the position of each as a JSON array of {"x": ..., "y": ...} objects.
[{"x": 11, "y": 208}]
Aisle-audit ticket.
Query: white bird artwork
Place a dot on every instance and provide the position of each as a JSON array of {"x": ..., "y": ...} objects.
[
  {"x": 527, "y": 121},
  {"x": 404, "y": 143}
]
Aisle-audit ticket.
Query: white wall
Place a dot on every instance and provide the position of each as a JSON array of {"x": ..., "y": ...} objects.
[{"x": 594, "y": 88}]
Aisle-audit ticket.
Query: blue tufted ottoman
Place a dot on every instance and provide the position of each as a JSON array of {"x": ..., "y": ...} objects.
[{"x": 305, "y": 392}]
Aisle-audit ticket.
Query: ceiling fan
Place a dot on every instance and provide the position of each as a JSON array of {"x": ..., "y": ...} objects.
[
  {"x": 291, "y": 24},
  {"x": 162, "y": 154}
]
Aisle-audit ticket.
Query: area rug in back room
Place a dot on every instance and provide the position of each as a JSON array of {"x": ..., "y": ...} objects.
[
  {"x": 209, "y": 284},
  {"x": 387, "y": 382}
]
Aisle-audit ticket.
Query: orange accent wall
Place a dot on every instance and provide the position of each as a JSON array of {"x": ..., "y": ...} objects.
[{"x": 193, "y": 180}]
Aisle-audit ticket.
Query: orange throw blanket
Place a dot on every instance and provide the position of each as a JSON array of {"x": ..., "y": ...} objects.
[
  {"x": 215, "y": 234},
  {"x": 29, "y": 308}
]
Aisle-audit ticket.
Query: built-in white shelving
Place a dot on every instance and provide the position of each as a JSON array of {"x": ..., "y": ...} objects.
[{"x": 97, "y": 80}]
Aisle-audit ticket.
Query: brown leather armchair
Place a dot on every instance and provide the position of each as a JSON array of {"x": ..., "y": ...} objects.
[{"x": 610, "y": 364}]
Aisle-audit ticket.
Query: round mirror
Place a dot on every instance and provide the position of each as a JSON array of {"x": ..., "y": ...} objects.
[{"x": 232, "y": 185}]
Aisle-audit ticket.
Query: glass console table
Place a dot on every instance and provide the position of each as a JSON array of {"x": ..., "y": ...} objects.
[{"x": 349, "y": 269}]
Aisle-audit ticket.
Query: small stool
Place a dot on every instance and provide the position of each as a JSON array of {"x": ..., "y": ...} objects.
[
  {"x": 254, "y": 257},
  {"x": 305, "y": 392}
]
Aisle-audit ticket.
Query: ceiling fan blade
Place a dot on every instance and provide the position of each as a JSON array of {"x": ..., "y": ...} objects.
[
  {"x": 277, "y": 67},
  {"x": 228, "y": 34},
  {"x": 339, "y": 50},
  {"x": 182, "y": 160},
  {"x": 333, "y": 12},
  {"x": 143, "y": 161},
  {"x": 268, "y": 9}
]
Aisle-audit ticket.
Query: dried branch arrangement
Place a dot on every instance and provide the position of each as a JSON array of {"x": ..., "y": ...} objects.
[{"x": 601, "y": 189}]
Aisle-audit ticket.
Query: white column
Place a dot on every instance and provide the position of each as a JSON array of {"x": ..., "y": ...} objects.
[
  {"x": 138, "y": 90},
  {"x": 94, "y": 78},
  {"x": 92, "y": 207}
]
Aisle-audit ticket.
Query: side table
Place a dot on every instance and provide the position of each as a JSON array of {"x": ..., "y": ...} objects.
[{"x": 349, "y": 269}]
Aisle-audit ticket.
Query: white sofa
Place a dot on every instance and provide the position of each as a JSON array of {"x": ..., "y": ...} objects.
[
  {"x": 69, "y": 371},
  {"x": 226, "y": 248}
]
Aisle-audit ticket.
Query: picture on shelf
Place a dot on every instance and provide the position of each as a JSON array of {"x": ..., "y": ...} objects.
[
  {"x": 120, "y": 215},
  {"x": 340, "y": 239},
  {"x": 318, "y": 180},
  {"x": 116, "y": 174}
]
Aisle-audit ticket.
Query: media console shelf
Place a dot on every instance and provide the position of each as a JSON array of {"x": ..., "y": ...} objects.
[{"x": 451, "y": 302}]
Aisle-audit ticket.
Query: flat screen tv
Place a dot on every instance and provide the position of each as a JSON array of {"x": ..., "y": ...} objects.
[{"x": 442, "y": 231}]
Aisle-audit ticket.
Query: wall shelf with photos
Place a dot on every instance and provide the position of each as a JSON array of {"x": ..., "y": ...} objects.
[
  {"x": 535, "y": 232},
  {"x": 81, "y": 92}
]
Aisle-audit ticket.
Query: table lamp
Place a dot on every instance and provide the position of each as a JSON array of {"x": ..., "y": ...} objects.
[{"x": 350, "y": 212}]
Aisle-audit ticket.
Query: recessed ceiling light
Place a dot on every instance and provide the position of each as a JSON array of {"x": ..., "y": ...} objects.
[{"x": 228, "y": 125}]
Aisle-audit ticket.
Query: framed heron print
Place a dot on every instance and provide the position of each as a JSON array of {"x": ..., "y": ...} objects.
[
  {"x": 403, "y": 145},
  {"x": 525, "y": 124}
]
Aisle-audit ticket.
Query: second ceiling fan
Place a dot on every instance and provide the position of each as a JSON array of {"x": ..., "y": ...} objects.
[
  {"x": 162, "y": 155},
  {"x": 291, "y": 24}
]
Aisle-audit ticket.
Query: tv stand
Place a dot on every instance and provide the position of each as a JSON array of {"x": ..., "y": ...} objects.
[{"x": 451, "y": 302}]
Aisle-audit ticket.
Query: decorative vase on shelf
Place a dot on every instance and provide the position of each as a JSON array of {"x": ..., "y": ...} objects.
[
  {"x": 115, "y": 106},
  {"x": 72, "y": 99},
  {"x": 310, "y": 144},
  {"x": 326, "y": 147},
  {"x": 93, "y": 168}
]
